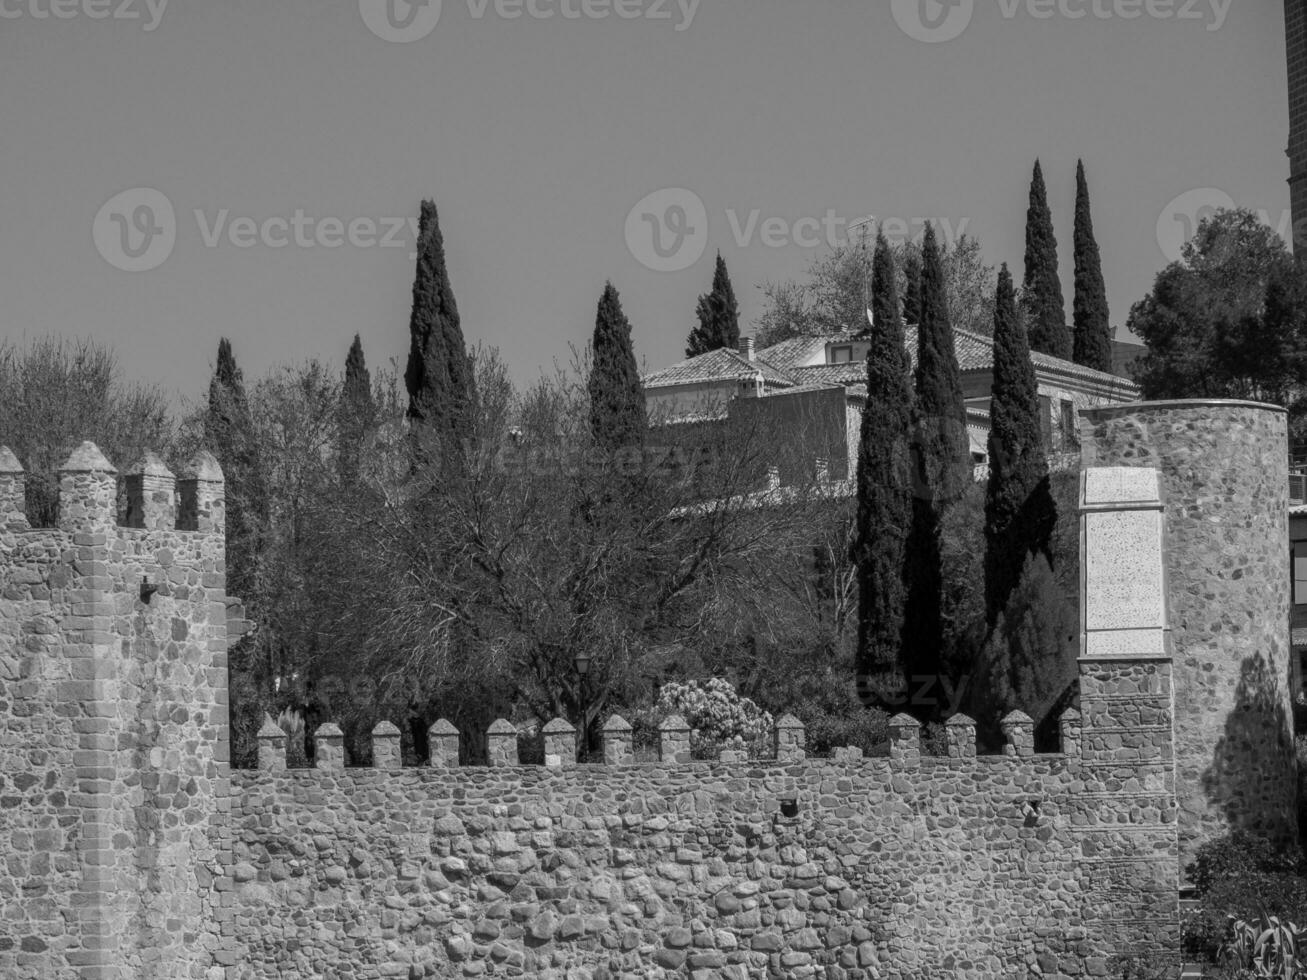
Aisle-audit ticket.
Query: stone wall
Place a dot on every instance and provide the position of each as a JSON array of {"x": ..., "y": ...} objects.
[
  {"x": 906, "y": 867},
  {"x": 1224, "y": 468},
  {"x": 113, "y": 782},
  {"x": 136, "y": 854}
]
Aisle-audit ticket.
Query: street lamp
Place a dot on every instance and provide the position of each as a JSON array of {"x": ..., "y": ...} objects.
[{"x": 582, "y": 664}]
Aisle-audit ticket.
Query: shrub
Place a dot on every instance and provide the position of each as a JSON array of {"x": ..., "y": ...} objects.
[
  {"x": 862, "y": 727},
  {"x": 1240, "y": 876},
  {"x": 718, "y": 717},
  {"x": 1266, "y": 948}
]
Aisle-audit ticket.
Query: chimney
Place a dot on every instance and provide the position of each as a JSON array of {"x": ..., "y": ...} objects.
[{"x": 746, "y": 348}]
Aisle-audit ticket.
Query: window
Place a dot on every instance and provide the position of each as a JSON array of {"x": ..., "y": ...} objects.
[
  {"x": 1070, "y": 438},
  {"x": 1046, "y": 421},
  {"x": 1300, "y": 573},
  {"x": 841, "y": 355}
]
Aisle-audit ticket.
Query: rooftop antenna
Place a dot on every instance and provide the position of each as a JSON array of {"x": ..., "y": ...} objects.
[{"x": 866, "y": 265}]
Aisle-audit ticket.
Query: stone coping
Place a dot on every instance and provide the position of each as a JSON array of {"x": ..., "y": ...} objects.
[{"x": 1126, "y": 407}]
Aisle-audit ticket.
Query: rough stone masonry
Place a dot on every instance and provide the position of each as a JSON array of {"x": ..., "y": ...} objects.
[{"x": 133, "y": 852}]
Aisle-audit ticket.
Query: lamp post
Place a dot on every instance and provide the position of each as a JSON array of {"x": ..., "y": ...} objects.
[{"x": 582, "y": 664}]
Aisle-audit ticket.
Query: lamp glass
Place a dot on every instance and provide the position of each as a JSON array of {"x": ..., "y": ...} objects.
[{"x": 582, "y": 663}]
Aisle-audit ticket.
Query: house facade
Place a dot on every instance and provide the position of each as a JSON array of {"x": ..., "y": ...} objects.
[{"x": 796, "y": 389}]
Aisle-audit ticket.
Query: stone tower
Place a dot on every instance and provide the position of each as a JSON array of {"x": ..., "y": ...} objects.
[
  {"x": 1295, "y": 23},
  {"x": 1224, "y": 467},
  {"x": 113, "y": 707}
]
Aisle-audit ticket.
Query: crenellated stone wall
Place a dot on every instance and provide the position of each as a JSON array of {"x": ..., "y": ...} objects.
[
  {"x": 134, "y": 852},
  {"x": 113, "y": 690},
  {"x": 1224, "y": 471},
  {"x": 907, "y": 866}
]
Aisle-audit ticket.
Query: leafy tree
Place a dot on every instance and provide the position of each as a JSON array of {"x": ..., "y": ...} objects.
[
  {"x": 832, "y": 297},
  {"x": 884, "y": 491},
  {"x": 1093, "y": 329},
  {"x": 358, "y": 413},
  {"x": 942, "y": 467},
  {"x": 1229, "y": 320},
  {"x": 1019, "y": 512},
  {"x": 56, "y": 393},
  {"x": 1041, "y": 295},
  {"x": 617, "y": 408},
  {"x": 912, "y": 286},
  {"x": 439, "y": 374},
  {"x": 719, "y": 316}
]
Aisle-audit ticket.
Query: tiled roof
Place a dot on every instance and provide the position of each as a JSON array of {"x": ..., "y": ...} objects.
[
  {"x": 789, "y": 353},
  {"x": 778, "y": 364},
  {"x": 976, "y": 353},
  {"x": 804, "y": 386},
  {"x": 844, "y": 374},
  {"x": 717, "y": 365}
]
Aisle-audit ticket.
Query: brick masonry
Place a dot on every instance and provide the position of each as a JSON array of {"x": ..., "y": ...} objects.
[{"x": 136, "y": 854}]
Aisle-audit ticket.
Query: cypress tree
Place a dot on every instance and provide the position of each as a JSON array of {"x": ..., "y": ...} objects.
[
  {"x": 617, "y": 410},
  {"x": 1019, "y": 509},
  {"x": 357, "y": 412},
  {"x": 1093, "y": 331},
  {"x": 942, "y": 468},
  {"x": 229, "y": 431},
  {"x": 719, "y": 316},
  {"x": 1042, "y": 295},
  {"x": 884, "y": 488},
  {"x": 912, "y": 296},
  {"x": 439, "y": 372},
  {"x": 944, "y": 455}
]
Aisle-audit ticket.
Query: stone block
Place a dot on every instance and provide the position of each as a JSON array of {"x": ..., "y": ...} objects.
[
  {"x": 442, "y": 745},
  {"x": 619, "y": 749},
  {"x": 674, "y": 740}
]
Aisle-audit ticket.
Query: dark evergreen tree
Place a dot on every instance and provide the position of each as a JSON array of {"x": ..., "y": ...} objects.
[
  {"x": 912, "y": 297},
  {"x": 617, "y": 409},
  {"x": 719, "y": 316},
  {"x": 1019, "y": 511},
  {"x": 1093, "y": 330},
  {"x": 439, "y": 372},
  {"x": 229, "y": 432},
  {"x": 1041, "y": 296},
  {"x": 941, "y": 470},
  {"x": 357, "y": 414},
  {"x": 884, "y": 515}
]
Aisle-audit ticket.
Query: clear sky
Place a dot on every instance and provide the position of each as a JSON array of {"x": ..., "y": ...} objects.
[{"x": 537, "y": 136}]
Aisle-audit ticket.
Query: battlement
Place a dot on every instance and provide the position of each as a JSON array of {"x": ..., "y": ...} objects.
[
  {"x": 113, "y": 682},
  {"x": 156, "y": 500},
  {"x": 560, "y": 737},
  {"x": 138, "y": 853}
]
